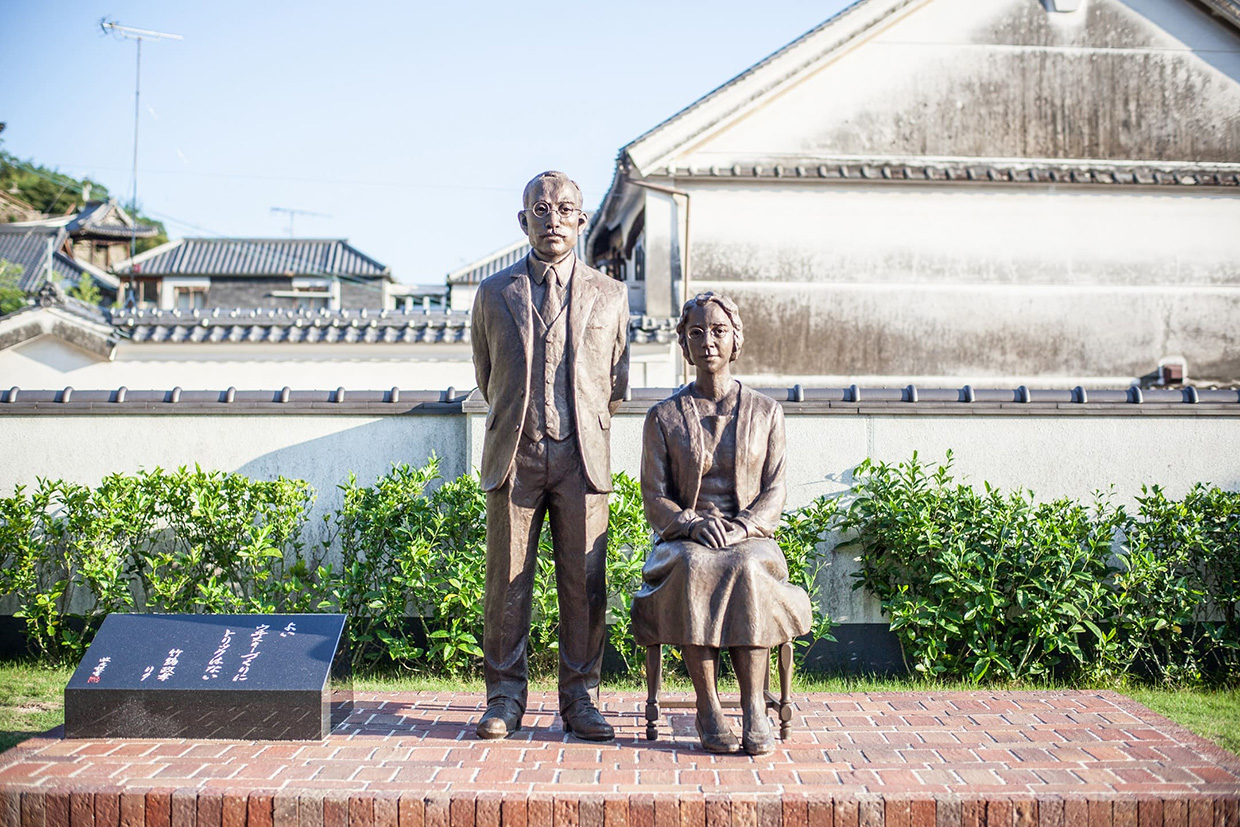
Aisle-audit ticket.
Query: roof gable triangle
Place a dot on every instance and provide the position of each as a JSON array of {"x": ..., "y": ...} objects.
[{"x": 1117, "y": 80}]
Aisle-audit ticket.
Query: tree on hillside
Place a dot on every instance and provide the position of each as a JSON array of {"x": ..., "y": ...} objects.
[
  {"x": 86, "y": 291},
  {"x": 55, "y": 193},
  {"x": 11, "y": 296}
]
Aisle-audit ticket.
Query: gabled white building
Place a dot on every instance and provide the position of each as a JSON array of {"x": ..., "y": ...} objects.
[{"x": 939, "y": 191}]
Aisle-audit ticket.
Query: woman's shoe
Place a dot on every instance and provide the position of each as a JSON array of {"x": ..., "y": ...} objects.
[
  {"x": 758, "y": 743},
  {"x": 720, "y": 743}
]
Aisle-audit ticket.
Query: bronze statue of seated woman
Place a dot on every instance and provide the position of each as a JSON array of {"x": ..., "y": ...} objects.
[{"x": 713, "y": 488}]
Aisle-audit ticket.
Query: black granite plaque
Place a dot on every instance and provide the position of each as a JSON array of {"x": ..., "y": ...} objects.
[{"x": 242, "y": 677}]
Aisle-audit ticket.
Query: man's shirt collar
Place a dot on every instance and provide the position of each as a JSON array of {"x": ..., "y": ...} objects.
[{"x": 564, "y": 267}]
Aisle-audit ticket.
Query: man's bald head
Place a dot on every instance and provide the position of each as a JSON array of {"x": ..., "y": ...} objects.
[
  {"x": 552, "y": 216},
  {"x": 551, "y": 177}
]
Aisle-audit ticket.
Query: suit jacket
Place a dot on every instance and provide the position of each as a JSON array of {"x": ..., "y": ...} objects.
[
  {"x": 502, "y": 333},
  {"x": 673, "y": 456}
]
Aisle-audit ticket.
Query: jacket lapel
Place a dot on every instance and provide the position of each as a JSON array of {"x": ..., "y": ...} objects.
[
  {"x": 744, "y": 429},
  {"x": 691, "y": 474},
  {"x": 581, "y": 297},
  {"x": 517, "y": 295}
]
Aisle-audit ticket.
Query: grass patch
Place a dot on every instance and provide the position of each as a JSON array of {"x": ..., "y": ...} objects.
[
  {"x": 32, "y": 696},
  {"x": 1214, "y": 714},
  {"x": 32, "y": 701}
]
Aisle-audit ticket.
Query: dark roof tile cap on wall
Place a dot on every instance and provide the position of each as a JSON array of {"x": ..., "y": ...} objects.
[
  {"x": 1094, "y": 173},
  {"x": 796, "y": 400}
]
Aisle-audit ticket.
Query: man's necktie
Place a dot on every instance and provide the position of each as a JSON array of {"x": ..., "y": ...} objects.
[{"x": 552, "y": 300}]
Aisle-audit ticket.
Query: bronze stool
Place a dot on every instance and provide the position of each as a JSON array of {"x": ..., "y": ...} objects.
[{"x": 782, "y": 704}]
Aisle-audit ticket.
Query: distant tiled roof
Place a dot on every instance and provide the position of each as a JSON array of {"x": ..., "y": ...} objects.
[
  {"x": 475, "y": 272},
  {"x": 29, "y": 247},
  {"x": 97, "y": 220},
  {"x": 293, "y": 326},
  {"x": 106, "y": 219},
  {"x": 255, "y": 257},
  {"x": 1229, "y": 10},
  {"x": 980, "y": 170}
]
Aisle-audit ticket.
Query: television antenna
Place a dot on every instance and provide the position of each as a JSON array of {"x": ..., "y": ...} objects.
[
  {"x": 294, "y": 213},
  {"x": 136, "y": 35}
]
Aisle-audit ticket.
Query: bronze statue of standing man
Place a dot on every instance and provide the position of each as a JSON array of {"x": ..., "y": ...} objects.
[{"x": 550, "y": 343}]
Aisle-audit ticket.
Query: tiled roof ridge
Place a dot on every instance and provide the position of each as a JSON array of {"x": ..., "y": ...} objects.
[
  {"x": 345, "y": 326},
  {"x": 982, "y": 170},
  {"x": 271, "y": 314},
  {"x": 1228, "y": 10},
  {"x": 324, "y": 257}
]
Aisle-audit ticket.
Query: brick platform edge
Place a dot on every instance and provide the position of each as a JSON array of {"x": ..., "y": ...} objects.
[
  {"x": 258, "y": 808},
  {"x": 411, "y": 760}
]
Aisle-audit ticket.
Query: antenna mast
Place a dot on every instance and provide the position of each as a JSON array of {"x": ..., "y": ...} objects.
[
  {"x": 294, "y": 213},
  {"x": 136, "y": 35}
]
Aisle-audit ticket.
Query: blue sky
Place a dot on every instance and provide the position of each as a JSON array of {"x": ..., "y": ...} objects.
[{"x": 413, "y": 125}]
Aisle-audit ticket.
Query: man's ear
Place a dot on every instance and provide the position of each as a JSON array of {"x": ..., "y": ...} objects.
[{"x": 524, "y": 222}]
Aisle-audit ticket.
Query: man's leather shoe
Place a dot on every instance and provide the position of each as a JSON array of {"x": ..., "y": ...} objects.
[
  {"x": 501, "y": 719},
  {"x": 587, "y": 723}
]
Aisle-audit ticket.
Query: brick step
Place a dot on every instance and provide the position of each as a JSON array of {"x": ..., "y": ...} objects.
[
  {"x": 110, "y": 807},
  {"x": 950, "y": 759}
]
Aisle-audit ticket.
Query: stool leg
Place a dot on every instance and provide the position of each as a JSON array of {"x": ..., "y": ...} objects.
[
  {"x": 654, "y": 685},
  {"x": 785, "y": 691}
]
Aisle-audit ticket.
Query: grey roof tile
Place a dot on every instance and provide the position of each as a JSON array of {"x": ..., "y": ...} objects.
[
  {"x": 28, "y": 247},
  {"x": 326, "y": 327},
  {"x": 255, "y": 257},
  {"x": 878, "y": 169},
  {"x": 106, "y": 219}
]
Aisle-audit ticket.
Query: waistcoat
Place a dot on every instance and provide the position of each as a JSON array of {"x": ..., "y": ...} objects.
[{"x": 548, "y": 412}]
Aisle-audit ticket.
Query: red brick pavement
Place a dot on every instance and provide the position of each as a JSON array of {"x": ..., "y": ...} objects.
[{"x": 956, "y": 759}]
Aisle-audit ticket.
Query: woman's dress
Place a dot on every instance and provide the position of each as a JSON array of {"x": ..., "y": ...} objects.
[{"x": 691, "y": 594}]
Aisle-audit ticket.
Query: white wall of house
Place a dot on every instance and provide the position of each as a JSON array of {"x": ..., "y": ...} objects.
[
  {"x": 1009, "y": 285},
  {"x": 461, "y": 297},
  {"x": 1054, "y": 455},
  {"x": 884, "y": 282}
]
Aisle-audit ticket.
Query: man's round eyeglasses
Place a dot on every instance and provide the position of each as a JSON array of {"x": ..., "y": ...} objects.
[{"x": 542, "y": 209}]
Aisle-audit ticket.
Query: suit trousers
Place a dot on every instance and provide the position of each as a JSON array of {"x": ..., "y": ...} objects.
[{"x": 548, "y": 478}]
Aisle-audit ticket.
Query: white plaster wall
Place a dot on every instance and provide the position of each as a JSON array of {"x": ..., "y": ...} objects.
[
  {"x": 1053, "y": 456},
  {"x": 461, "y": 297},
  {"x": 321, "y": 450},
  {"x": 662, "y": 239},
  {"x": 888, "y": 234},
  {"x": 49, "y": 362},
  {"x": 1135, "y": 79},
  {"x": 1048, "y": 285}
]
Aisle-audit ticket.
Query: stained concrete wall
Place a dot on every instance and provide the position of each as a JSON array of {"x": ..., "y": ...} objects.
[
  {"x": 1132, "y": 80},
  {"x": 1054, "y": 454},
  {"x": 949, "y": 282},
  {"x": 889, "y": 284}
]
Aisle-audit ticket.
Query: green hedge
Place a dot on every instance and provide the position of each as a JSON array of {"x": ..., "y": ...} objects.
[
  {"x": 987, "y": 584},
  {"x": 980, "y": 584},
  {"x": 409, "y": 571}
]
